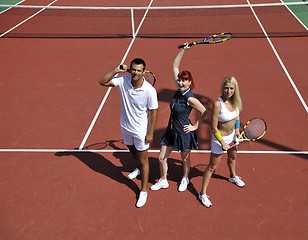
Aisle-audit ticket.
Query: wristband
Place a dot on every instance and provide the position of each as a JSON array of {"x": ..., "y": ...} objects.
[
  {"x": 218, "y": 136},
  {"x": 237, "y": 124}
]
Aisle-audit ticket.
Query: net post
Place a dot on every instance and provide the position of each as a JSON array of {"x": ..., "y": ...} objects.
[{"x": 133, "y": 23}]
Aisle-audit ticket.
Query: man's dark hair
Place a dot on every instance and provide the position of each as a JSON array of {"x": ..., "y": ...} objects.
[{"x": 138, "y": 61}]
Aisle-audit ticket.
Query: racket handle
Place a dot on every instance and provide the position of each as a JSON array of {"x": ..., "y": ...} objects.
[
  {"x": 183, "y": 45},
  {"x": 122, "y": 68},
  {"x": 232, "y": 144}
]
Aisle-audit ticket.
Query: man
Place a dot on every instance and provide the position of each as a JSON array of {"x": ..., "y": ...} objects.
[{"x": 138, "y": 98}]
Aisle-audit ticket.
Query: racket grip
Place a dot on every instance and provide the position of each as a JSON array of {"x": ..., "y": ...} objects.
[
  {"x": 122, "y": 68},
  {"x": 232, "y": 144},
  {"x": 183, "y": 45}
]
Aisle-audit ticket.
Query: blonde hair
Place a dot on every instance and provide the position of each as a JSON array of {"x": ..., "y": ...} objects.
[{"x": 236, "y": 100}]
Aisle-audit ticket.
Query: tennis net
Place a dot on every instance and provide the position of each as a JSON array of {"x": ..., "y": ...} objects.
[{"x": 278, "y": 20}]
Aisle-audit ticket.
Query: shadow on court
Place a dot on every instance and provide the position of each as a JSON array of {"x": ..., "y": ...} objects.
[
  {"x": 283, "y": 148},
  {"x": 102, "y": 165}
]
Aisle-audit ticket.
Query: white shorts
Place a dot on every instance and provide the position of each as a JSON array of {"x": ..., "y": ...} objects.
[
  {"x": 216, "y": 147},
  {"x": 138, "y": 140}
]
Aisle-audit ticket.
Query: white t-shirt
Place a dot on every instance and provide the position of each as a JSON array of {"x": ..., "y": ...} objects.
[{"x": 135, "y": 104}]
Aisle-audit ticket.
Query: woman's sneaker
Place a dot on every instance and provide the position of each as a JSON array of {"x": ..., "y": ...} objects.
[
  {"x": 142, "y": 199},
  {"x": 133, "y": 174},
  {"x": 183, "y": 185},
  {"x": 237, "y": 181},
  {"x": 160, "y": 184},
  {"x": 205, "y": 200}
]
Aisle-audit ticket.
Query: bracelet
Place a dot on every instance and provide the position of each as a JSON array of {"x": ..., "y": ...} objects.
[
  {"x": 218, "y": 136},
  {"x": 237, "y": 124}
]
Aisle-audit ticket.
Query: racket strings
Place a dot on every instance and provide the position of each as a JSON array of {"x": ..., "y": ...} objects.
[
  {"x": 255, "y": 129},
  {"x": 219, "y": 38},
  {"x": 149, "y": 77}
]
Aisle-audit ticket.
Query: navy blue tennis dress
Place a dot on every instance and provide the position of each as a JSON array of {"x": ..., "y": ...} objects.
[{"x": 179, "y": 116}]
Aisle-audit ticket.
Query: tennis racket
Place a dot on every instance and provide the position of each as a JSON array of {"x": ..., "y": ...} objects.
[
  {"x": 253, "y": 130},
  {"x": 217, "y": 38},
  {"x": 148, "y": 76}
]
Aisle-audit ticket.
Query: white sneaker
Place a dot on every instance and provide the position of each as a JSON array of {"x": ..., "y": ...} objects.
[
  {"x": 205, "y": 200},
  {"x": 237, "y": 180},
  {"x": 160, "y": 184},
  {"x": 133, "y": 174},
  {"x": 183, "y": 184},
  {"x": 142, "y": 199}
]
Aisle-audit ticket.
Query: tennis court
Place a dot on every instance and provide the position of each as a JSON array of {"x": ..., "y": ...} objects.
[{"x": 62, "y": 160}]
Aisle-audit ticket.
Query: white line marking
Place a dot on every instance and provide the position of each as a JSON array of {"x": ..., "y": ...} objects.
[
  {"x": 27, "y": 19},
  {"x": 287, "y": 7},
  {"x": 167, "y": 7},
  {"x": 150, "y": 151},
  {"x": 279, "y": 59},
  {"x": 94, "y": 119},
  {"x": 146, "y": 13},
  {"x": 11, "y": 7},
  {"x": 109, "y": 89}
]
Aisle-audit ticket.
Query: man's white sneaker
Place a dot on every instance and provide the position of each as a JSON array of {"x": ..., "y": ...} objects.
[
  {"x": 237, "y": 180},
  {"x": 133, "y": 174},
  {"x": 183, "y": 184},
  {"x": 160, "y": 184},
  {"x": 142, "y": 199},
  {"x": 205, "y": 200}
]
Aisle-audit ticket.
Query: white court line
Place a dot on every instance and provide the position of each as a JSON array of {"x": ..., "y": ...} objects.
[
  {"x": 295, "y": 15},
  {"x": 11, "y": 7},
  {"x": 279, "y": 59},
  {"x": 166, "y": 7},
  {"x": 26, "y": 19},
  {"x": 109, "y": 89},
  {"x": 150, "y": 151}
]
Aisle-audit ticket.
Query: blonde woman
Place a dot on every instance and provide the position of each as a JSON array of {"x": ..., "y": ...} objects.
[{"x": 225, "y": 123}]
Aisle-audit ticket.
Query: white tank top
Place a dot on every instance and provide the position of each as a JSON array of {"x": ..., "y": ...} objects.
[{"x": 225, "y": 115}]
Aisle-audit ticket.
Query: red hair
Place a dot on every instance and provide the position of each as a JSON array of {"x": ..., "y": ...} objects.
[{"x": 187, "y": 76}]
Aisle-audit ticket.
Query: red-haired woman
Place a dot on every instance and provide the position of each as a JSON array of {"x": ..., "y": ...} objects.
[{"x": 180, "y": 134}]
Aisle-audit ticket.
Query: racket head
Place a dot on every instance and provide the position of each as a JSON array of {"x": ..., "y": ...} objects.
[
  {"x": 217, "y": 38},
  {"x": 150, "y": 77},
  {"x": 254, "y": 129}
]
